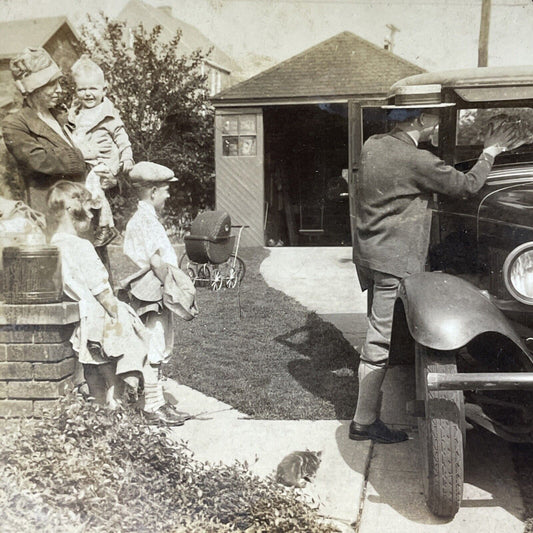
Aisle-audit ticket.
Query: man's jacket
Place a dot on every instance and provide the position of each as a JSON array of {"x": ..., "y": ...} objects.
[{"x": 394, "y": 186}]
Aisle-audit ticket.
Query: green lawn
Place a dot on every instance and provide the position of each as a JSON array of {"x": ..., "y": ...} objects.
[{"x": 276, "y": 361}]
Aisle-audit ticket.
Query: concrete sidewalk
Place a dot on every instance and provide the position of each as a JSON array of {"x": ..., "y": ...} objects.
[{"x": 371, "y": 488}]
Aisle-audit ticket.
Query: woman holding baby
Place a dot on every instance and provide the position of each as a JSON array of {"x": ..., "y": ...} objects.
[{"x": 36, "y": 134}]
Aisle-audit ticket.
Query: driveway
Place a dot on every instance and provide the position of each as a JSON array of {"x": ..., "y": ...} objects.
[{"x": 391, "y": 496}]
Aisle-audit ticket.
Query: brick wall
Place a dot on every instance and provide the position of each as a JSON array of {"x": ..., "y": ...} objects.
[{"x": 36, "y": 360}]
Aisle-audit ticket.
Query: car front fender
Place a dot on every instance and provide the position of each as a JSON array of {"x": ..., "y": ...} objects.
[{"x": 445, "y": 312}]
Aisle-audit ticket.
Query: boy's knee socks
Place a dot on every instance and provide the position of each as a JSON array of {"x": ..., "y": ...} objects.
[{"x": 153, "y": 397}]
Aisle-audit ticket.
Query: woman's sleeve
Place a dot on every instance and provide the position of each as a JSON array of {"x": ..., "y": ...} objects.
[{"x": 28, "y": 151}]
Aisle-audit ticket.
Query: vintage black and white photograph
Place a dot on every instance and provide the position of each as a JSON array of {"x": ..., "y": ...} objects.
[{"x": 266, "y": 266}]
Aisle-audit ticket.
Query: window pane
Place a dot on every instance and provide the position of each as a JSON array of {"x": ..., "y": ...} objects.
[
  {"x": 230, "y": 125},
  {"x": 230, "y": 146},
  {"x": 247, "y": 145},
  {"x": 472, "y": 125},
  {"x": 247, "y": 124}
]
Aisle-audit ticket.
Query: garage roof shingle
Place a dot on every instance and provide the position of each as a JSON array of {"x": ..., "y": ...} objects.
[{"x": 342, "y": 65}]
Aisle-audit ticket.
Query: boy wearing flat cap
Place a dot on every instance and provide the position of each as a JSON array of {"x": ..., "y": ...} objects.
[{"x": 147, "y": 244}]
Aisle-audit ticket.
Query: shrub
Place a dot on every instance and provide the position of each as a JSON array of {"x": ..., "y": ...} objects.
[{"x": 89, "y": 469}]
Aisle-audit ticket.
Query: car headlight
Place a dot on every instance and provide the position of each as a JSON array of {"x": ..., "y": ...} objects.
[{"x": 518, "y": 273}]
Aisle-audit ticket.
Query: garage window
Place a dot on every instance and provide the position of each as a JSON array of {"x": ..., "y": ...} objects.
[{"x": 239, "y": 135}]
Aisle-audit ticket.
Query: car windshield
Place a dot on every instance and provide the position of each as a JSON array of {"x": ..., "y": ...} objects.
[{"x": 473, "y": 123}]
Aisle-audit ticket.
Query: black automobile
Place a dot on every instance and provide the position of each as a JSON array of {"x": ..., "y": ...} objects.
[{"x": 467, "y": 322}]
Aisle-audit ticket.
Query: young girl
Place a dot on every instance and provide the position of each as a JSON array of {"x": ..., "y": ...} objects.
[{"x": 110, "y": 339}]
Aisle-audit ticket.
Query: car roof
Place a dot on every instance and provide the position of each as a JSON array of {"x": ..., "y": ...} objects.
[
  {"x": 473, "y": 77},
  {"x": 479, "y": 84}
]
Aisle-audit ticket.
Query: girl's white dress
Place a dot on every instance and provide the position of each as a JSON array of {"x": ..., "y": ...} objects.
[{"x": 84, "y": 277}]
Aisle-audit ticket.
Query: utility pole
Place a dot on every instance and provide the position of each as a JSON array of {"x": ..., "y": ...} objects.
[
  {"x": 389, "y": 42},
  {"x": 483, "y": 46}
]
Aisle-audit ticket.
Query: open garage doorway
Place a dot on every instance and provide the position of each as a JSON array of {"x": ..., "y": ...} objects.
[{"x": 306, "y": 175}]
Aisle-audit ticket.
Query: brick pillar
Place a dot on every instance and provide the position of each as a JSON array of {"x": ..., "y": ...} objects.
[{"x": 36, "y": 357}]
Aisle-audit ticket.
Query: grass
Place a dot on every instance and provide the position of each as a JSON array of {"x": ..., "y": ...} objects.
[{"x": 276, "y": 361}]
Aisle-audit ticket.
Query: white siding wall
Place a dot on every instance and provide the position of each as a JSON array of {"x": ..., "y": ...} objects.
[{"x": 240, "y": 180}]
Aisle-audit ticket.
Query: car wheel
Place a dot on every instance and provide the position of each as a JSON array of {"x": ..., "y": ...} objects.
[{"x": 440, "y": 434}]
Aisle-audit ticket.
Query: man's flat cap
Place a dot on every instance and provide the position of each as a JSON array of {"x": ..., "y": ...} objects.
[{"x": 146, "y": 173}]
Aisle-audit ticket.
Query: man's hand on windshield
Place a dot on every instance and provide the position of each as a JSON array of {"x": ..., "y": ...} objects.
[{"x": 501, "y": 136}]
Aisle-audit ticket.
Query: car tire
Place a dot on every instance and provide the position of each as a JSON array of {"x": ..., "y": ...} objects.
[{"x": 441, "y": 433}]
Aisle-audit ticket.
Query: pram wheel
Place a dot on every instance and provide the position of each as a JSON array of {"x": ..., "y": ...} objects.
[
  {"x": 185, "y": 263},
  {"x": 204, "y": 275},
  {"x": 216, "y": 279},
  {"x": 235, "y": 271},
  {"x": 191, "y": 272},
  {"x": 189, "y": 267}
]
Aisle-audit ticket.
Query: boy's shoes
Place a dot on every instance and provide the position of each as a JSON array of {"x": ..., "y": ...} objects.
[
  {"x": 104, "y": 235},
  {"x": 185, "y": 416},
  {"x": 377, "y": 431},
  {"x": 164, "y": 416}
]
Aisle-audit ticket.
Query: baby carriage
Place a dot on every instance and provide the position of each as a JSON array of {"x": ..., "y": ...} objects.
[{"x": 210, "y": 257}]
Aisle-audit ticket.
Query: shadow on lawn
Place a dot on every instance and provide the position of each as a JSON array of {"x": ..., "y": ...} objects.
[{"x": 329, "y": 370}]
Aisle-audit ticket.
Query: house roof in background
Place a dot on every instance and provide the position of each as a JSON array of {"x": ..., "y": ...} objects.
[
  {"x": 136, "y": 12},
  {"x": 341, "y": 66},
  {"x": 16, "y": 35}
]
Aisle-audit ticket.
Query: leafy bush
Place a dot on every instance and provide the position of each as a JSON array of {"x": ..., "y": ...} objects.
[{"x": 89, "y": 469}]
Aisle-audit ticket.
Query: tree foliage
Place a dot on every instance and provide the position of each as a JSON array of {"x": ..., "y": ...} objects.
[
  {"x": 162, "y": 98},
  {"x": 473, "y": 123}
]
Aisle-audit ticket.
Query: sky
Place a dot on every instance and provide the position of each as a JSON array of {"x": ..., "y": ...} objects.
[{"x": 434, "y": 34}]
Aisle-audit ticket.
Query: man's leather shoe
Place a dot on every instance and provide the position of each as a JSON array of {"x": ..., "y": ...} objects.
[
  {"x": 377, "y": 431},
  {"x": 164, "y": 416}
]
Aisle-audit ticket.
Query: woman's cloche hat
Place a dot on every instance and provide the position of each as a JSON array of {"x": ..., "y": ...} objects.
[{"x": 32, "y": 69}]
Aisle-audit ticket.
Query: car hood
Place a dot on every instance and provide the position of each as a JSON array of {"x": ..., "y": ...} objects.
[
  {"x": 511, "y": 204},
  {"x": 507, "y": 197}
]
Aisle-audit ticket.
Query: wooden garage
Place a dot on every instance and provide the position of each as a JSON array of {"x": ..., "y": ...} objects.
[{"x": 287, "y": 139}]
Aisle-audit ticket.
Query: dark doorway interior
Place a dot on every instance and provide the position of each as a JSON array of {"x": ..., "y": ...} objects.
[{"x": 306, "y": 162}]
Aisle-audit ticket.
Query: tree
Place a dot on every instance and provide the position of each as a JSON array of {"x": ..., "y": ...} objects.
[
  {"x": 163, "y": 100},
  {"x": 473, "y": 123}
]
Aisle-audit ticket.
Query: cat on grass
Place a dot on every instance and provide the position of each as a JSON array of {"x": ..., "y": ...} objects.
[{"x": 297, "y": 468}]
